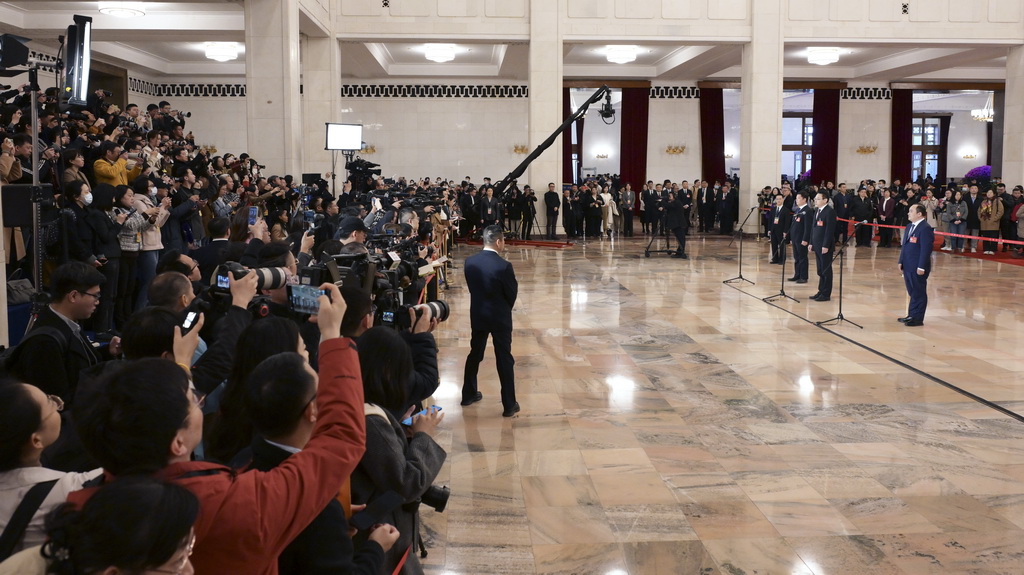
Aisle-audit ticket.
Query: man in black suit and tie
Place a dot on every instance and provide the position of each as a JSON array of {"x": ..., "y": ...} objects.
[
  {"x": 492, "y": 291},
  {"x": 778, "y": 227},
  {"x": 551, "y": 201},
  {"x": 916, "y": 264},
  {"x": 490, "y": 208},
  {"x": 800, "y": 237},
  {"x": 823, "y": 237}
]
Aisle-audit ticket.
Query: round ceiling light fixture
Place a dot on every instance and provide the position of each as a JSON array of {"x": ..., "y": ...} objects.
[
  {"x": 440, "y": 53},
  {"x": 822, "y": 55},
  {"x": 222, "y": 51},
  {"x": 621, "y": 54},
  {"x": 123, "y": 9}
]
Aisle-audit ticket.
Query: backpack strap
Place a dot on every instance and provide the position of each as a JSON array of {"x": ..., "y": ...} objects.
[{"x": 15, "y": 530}]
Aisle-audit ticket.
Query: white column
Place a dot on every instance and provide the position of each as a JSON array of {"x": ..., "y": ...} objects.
[
  {"x": 545, "y": 97},
  {"x": 273, "y": 104},
  {"x": 1013, "y": 119},
  {"x": 321, "y": 101},
  {"x": 761, "y": 111}
]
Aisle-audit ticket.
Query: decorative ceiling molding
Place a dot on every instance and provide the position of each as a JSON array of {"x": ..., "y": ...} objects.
[
  {"x": 186, "y": 90},
  {"x": 675, "y": 92},
  {"x": 866, "y": 94},
  {"x": 432, "y": 91}
]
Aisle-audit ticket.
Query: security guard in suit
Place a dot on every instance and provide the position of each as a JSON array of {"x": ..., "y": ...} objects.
[
  {"x": 823, "y": 237},
  {"x": 800, "y": 237}
]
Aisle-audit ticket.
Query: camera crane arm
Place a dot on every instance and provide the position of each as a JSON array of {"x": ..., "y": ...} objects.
[{"x": 500, "y": 187}]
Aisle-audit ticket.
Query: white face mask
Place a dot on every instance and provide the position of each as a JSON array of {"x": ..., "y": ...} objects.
[
  {"x": 87, "y": 199},
  {"x": 152, "y": 191}
]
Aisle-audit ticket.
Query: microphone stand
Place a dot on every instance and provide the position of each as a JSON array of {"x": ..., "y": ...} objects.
[
  {"x": 740, "y": 260},
  {"x": 841, "y": 256},
  {"x": 782, "y": 281},
  {"x": 668, "y": 238}
]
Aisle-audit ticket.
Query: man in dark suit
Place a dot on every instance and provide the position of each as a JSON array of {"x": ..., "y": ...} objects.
[
  {"x": 916, "y": 264},
  {"x": 973, "y": 199},
  {"x": 800, "y": 237},
  {"x": 823, "y": 235},
  {"x": 551, "y": 201},
  {"x": 53, "y": 364},
  {"x": 569, "y": 214},
  {"x": 676, "y": 221},
  {"x": 839, "y": 201},
  {"x": 492, "y": 291},
  {"x": 886, "y": 210},
  {"x": 778, "y": 227},
  {"x": 728, "y": 204},
  {"x": 705, "y": 207},
  {"x": 470, "y": 206},
  {"x": 214, "y": 253}
]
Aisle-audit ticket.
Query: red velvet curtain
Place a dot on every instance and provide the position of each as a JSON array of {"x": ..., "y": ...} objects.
[
  {"x": 634, "y": 125},
  {"x": 712, "y": 134},
  {"x": 825, "y": 146},
  {"x": 940, "y": 175},
  {"x": 567, "y": 176},
  {"x": 902, "y": 134}
]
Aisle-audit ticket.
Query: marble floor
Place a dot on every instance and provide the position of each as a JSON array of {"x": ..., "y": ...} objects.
[{"x": 673, "y": 424}]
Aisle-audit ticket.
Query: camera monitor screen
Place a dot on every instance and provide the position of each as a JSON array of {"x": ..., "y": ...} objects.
[
  {"x": 344, "y": 137},
  {"x": 79, "y": 61}
]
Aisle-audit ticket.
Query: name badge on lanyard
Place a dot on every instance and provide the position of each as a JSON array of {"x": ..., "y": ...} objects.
[
  {"x": 821, "y": 223},
  {"x": 913, "y": 239}
]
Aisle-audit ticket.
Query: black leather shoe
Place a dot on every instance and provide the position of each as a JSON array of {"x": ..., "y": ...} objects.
[
  {"x": 472, "y": 400},
  {"x": 823, "y": 298},
  {"x": 815, "y": 297},
  {"x": 792, "y": 279},
  {"x": 904, "y": 319},
  {"x": 913, "y": 322},
  {"x": 511, "y": 411},
  {"x": 801, "y": 281}
]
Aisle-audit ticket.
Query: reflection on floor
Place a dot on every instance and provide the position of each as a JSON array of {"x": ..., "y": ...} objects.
[{"x": 672, "y": 424}]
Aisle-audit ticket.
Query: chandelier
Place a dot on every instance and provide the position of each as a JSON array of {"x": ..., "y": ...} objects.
[
  {"x": 985, "y": 114},
  {"x": 621, "y": 54},
  {"x": 440, "y": 53}
]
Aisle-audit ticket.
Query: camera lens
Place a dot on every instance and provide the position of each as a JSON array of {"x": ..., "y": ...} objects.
[
  {"x": 270, "y": 278},
  {"x": 436, "y": 497},
  {"x": 439, "y": 309}
]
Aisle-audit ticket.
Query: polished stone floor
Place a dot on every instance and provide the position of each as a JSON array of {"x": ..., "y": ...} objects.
[{"x": 673, "y": 424}]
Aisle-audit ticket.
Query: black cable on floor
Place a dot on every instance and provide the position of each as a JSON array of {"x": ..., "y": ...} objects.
[{"x": 898, "y": 362}]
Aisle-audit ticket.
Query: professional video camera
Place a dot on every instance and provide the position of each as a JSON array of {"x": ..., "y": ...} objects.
[{"x": 361, "y": 173}]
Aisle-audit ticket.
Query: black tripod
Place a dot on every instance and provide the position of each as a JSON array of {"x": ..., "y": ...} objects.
[
  {"x": 841, "y": 256},
  {"x": 668, "y": 239},
  {"x": 782, "y": 282},
  {"x": 739, "y": 262}
]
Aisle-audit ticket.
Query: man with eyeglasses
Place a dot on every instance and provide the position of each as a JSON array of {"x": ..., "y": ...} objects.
[{"x": 59, "y": 351}]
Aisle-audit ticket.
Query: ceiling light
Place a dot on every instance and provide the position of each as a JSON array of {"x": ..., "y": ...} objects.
[
  {"x": 440, "y": 53},
  {"x": 222, "y": 51},
  {"x": 822, "y": 56},
  {"x": 123, "y": 9},
  {"x": 621, "y": 54},
  {"x": 985, "y": 114}
]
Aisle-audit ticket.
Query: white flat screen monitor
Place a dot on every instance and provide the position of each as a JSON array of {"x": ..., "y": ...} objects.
[{"x": 344, "y": 137}]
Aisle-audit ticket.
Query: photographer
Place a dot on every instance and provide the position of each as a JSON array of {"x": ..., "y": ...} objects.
[
  {"x": 394, "y": 461},
  {"x": 147, "y": 421},
  {"x": 152, "y": 202},
  {"x": 279, "y": 255},
  {"x": 151, "y": 331},
  {"x": 112, "y": 168},
  {"x": 184, "y": 202}
]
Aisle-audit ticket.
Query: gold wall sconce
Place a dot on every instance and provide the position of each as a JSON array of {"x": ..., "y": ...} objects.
[
  {"x": 970, "y": 156},
  {"x": 867, "y": 149},
  {"x": 675, "y": 150},
  {"x": 368, "y": 150},
  {"x": 602, "y": 156},
  {"x": 729, "y": 156},
  {"x": 520, "y": 150}
]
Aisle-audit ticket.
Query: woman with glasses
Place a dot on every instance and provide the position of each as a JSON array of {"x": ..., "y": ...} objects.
[
  {"x": 31, "y": 424},
  {"x": 135, "y": 525}
]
